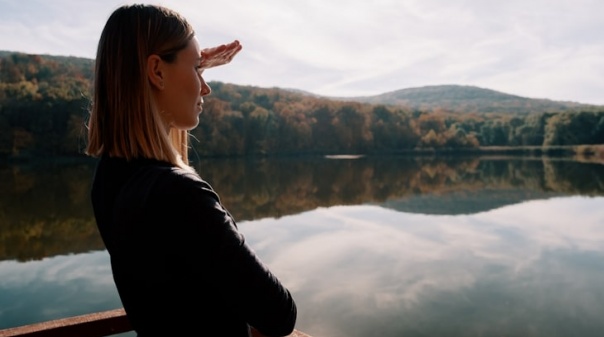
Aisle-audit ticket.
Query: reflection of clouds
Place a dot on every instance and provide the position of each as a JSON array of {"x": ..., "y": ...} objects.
[
  {"x": 93, "y": 267},
  {"x": 366, "y": 270},
  {"x": 361, "y": 250},
  {"x": 55, "y": 287},
  {"x": 351, "y": 264},
  {"x": 574, "y": 222}
]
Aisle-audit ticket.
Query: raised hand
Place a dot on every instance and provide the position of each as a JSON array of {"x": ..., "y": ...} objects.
[{"x": 219, "y": 55}]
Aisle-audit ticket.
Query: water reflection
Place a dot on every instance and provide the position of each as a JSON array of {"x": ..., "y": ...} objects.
[
  {"x": 375, "y": 246},
  {"x": 56, "y": 287},
  {"x": 535, "y": 268},
  {"x": 45, "y": 209}
]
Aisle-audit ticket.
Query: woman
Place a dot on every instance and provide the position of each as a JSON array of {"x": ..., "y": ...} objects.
[{"x": 180, "y": 265}]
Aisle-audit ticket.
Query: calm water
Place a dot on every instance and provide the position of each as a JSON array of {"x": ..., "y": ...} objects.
[{"x": 382, "y": 246}]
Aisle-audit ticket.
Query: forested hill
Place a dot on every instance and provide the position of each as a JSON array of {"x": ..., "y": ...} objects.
[
  {"x": 44, "y": 102},
  {"x": 450, "y": 98},
  {"x": 465, "y": 99}
]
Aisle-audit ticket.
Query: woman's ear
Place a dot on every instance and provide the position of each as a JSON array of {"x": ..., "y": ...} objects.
[{"x": 155, "y": 71}]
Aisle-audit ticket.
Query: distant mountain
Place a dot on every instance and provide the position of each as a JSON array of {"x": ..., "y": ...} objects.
[{"x": 462, "y": 98}]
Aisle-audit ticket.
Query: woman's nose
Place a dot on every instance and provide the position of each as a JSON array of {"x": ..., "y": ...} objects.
[{"x": 205, "y": 88}]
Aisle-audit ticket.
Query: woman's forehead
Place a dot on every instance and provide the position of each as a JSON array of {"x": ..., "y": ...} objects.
[{"x": 192, "y": 51}]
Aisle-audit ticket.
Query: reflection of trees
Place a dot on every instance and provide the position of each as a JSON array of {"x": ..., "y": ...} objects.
[
  {"x": 273, "y": 188},
  {"x": 587, "y": 179},
  {"x": 45, "y": 209}
]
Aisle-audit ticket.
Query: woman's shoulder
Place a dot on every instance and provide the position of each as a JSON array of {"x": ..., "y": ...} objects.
[
  {"x": 183, "y": 187},
  {"x": 184, "y": 183},
  {"x": 154, "y": 176},
  {"x": 186, "y": 179},
  {"x": 169, "y": 177}
]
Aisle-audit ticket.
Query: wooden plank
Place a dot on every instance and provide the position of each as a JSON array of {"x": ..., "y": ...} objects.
[{"x": 100, "y": 324}]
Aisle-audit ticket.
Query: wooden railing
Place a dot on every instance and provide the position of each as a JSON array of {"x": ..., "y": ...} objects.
[{"x": 100, "y": 324}]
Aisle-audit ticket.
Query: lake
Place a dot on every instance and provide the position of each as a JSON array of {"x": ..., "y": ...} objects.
[{"x": 374, "y": 246}]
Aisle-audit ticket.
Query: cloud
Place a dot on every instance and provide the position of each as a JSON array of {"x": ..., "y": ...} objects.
[{"x": 535, "y": 48}]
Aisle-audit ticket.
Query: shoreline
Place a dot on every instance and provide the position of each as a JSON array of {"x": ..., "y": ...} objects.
[{"x": 586, "y": 153}]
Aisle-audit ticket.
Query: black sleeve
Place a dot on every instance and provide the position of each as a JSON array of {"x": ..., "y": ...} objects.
[{"x": 241, "y": 278}]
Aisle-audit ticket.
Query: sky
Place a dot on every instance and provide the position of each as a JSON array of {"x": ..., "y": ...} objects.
[{"x": 552, "y": 49}]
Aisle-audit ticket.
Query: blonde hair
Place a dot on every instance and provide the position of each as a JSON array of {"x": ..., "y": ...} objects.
[{"x": 124, "y": 119}]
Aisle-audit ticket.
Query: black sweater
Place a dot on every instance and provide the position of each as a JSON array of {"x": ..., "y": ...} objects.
[{"x": 180, "y": 264}]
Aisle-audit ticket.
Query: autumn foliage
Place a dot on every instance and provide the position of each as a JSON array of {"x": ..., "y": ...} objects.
[{"x": 44, "y": 104}]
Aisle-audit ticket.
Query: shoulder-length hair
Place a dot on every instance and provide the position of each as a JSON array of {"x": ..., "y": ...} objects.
[{"x": 124, "y": 119}]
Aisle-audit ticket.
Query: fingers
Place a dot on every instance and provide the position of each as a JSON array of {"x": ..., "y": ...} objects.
[
  {"x": 233, "y": 46},
  {"x": 219, "y": 55}
]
